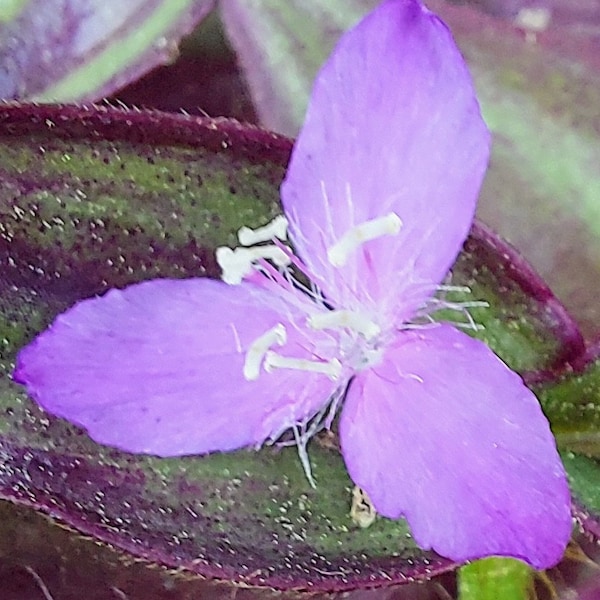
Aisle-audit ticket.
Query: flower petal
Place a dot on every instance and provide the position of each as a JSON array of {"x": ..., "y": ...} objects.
[
  {"x": 443, "y": 433},
  {"x": 393, "y": 125},
  {"x": 157, "y": 368}
]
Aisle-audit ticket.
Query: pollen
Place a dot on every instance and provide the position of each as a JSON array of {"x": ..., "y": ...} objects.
[
  {"x": 258, "y": 349},
  {"x": 277, "y": 228},
  {"x": 237, "y": 264},
  {"x": 355, "y": 237}
]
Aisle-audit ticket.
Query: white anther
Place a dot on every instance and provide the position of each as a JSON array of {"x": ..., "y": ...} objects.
[
  {"x": 258, "y": 349},
  {"x": 333, "y": 368},
  {"x": 277, "y": 228},
  {"x": 337, "y": 319},
  {"x": 237, "y": 264},
  {"x": 338, "y": 254}
]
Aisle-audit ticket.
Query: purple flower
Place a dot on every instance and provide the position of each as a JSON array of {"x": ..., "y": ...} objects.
[{"x": 379, "y": 196}]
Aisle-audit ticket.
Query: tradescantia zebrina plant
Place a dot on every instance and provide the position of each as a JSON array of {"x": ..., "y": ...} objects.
[
  {"x": 152, "y": 196},
  {"x": 184, "y": 197},
  {"x": 347, "y": 319}
]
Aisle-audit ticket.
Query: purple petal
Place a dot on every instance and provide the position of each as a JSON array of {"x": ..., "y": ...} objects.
[
  {"x": 157, "y": 368},
  {"x": 393, "y": 125},
  {"x": 443, "y": 433}
]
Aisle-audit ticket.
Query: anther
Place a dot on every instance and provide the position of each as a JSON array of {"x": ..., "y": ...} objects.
[
  {"x": 237, "y": 264},
  {"x": 277, "y": 228},
  {"x": 258, "y": 349},
  {"x": 338, "y": 254},
  {"x": 336, "y": 319},
  {"x": 333, "y": 368}
]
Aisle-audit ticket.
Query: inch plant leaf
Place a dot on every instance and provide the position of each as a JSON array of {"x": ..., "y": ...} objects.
[
  {"x": 573, "y": 406},
  {"x": 95, "y": 198},
  {"x": 521, "y": 320},
  {"x": 32, "y": 545},
  {"x": 572, "y": 403},
  {"x": 584, "y": 474},
  {"x": 540, "y": 100},
  {"x": 65, "y": 50}
]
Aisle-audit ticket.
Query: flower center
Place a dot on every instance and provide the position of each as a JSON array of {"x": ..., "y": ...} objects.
[{"x": 358, "y": 338}]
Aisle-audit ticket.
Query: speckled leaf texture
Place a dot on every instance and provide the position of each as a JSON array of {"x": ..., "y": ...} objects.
[
  {"x": 67, "y": 50},
  {"x": 96, "y": 198}
]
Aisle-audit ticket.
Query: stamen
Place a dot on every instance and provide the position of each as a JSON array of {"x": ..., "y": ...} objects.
[
  {"x": 338, "y": 254},
  {"x": 333, "y": 368},
  {"x": 258, "y": 349},
  {"x": 237, "y": 264},
  {"x": 336, "y": 319},
  {"x": 277, "y": 228}
]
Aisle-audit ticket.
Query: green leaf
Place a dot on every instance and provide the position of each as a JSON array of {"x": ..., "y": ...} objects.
[
  {"x": 95, "y": 198},
  {"x": 573, "y": 406},
  {"x": 520, "y": 318},
  {"x": 495, "y": 579},
  {"x": 584, "y": 474}
]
